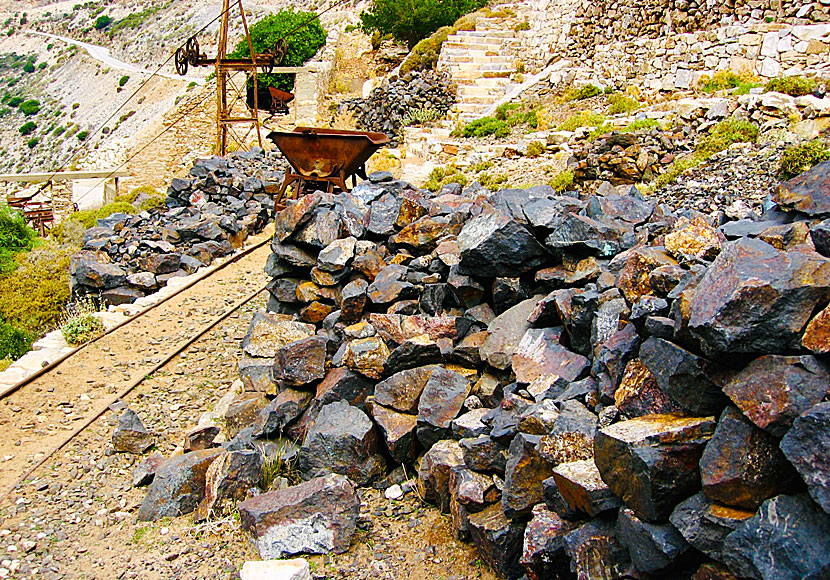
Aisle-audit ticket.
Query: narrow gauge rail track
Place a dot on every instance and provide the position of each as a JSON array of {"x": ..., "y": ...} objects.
[{"x": 43, "y": 413}]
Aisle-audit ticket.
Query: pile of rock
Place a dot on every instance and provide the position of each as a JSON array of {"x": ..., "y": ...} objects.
[
  {"x": 591, "y": 385},
  {"x": 419, "y": 93},
  {"x": 629, "y": 157},
  {"x": 127, "y": 256}
]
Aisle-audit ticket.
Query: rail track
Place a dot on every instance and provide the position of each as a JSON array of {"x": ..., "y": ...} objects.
[{"x": 42, "y": 414}]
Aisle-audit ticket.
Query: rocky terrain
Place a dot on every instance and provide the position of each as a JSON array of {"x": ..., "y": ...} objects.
[
  {"x": 126, "y": 256},
  {"x": 593, "y": 385}
]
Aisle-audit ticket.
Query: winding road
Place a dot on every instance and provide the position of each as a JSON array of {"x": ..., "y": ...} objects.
[{"x": 104, "y": 55}]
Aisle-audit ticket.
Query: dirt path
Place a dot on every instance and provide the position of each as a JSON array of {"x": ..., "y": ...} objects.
[
  {"x": 76, "y": 516},
  {"x": 35, "y": 419}
]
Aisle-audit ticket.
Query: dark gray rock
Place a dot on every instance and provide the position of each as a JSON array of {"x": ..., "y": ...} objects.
[
  {"x": 653, "y": 547},
  {"x": 704, "y": 523},
  {"x": 341, "y": 440},
  {"x": 524, "y": 473},
  {"x": 178, "y": 486},
  {"x": 130, "y": 435},
  {"x": 495, "y": 245},
  {"x": 498, "y": 540},
  {"x": 807, "y": 447},
  {"x": 441, "y": 401},
  {"x": 543, "y": 553},
  {"x": 788, "y": 539},
  {"x": 315, "y": 517}
]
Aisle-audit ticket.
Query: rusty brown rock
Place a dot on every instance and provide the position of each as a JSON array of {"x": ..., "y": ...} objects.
[
  {"x": 229, "y": 477},
  {"x": 639, "y": 394},
  {"x": 367, "y": 356},
  {"x": 543, "y": 554},
  {"x": 651, "y": 461},
  {"x": 243, "y": 411},
  {"x": 525, "y": 471},
  {"x": 441, "y": 401},
  {"x": 498, "y": 540},
  {"x": 398, "y": 430},
  {"x": 773, "y": 390},
  {"x": 397, "y": 327},
  {"x": 539, "y": 353},
  {"x": 434, "y": 472},
  {"x": 296, "y": 214},
  {"x": 424, "y": 233},
  {"x": 315, "y": 312},
  {"x": 757, "y": 298},
  {"x": 270, "y": 332},
  {"x": 742, "y": 465},
  {"x": 817, "y": 334},
  {"x": 301, "y": 362},
  {"x": 808, "y": 193},
  {"x": 505, "y": 333},
  {"x": 580, "y": 485},
  {"x": 634, "y": 279},
  {"x": 200, "y": 438},
  {"x": 402, "y": 390},
  {"x": 693, "y": 240}
]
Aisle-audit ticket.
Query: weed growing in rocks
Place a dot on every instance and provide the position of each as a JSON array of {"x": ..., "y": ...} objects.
[
  {"x": 799, "y": 158},
  {"x": 726, "y": 133},
  {"x": 441, "y": 176},
  {"x": 535, "y": 149},
  {"x": 725, "y": 80},
  {"x": 795, "y": 86},
  {"x": 582, "y": 119},
  {"x": 563, "y": 182},
  {"x": 79, "y": 323},
  {"x": 485, "y": 127},
  {"x": 622, "y": 104}
]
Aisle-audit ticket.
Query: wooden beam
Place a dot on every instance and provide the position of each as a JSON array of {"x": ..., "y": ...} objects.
[{"x": 61, "y": 176}]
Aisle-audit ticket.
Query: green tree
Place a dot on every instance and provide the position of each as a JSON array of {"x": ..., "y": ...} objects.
[
  {"x": 411, "y": 21},
  {"x": 102, "y": 22},
  {"x": 302, "y": 32}
]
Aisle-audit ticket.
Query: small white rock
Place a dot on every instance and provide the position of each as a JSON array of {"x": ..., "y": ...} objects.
[
  {"x": 296, "y": 569},
  {"x": 393, "y": 492}
]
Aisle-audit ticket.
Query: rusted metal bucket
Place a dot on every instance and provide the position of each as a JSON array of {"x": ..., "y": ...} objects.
[{"x": 325, "y": 157}]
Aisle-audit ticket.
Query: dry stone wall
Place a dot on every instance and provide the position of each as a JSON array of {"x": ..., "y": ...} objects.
[{"x": 663, "y": 40}]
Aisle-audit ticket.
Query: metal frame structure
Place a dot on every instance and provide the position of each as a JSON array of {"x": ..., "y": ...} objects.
[{"x": 229, "y": 92}]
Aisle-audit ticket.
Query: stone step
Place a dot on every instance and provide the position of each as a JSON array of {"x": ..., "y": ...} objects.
[
  {"x": 480, "y": 58},
  {"x": 472, "y": 45},
  {"x": 473, "y": 91},
  {"x": 481, "y": 100}
]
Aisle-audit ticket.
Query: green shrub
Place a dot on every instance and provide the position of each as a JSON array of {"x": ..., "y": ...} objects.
[
  {"x": 102, "y": 22},
  {"x": 582, "y": 119},
  {"x": 15, "y": 236},
  {"x": 503, "y": 112},
  {"x": 411, "y": 22},
  {"x": 79, "y": 323},
  {"x": 15, "y": 101},
  {"x": 69, "y": 232},
  {"x": 42, "y": 66},
  {"x": 114, "y": 207},
  {"x": 563, "y": 182},
  {"x": 486, "y": 126},
  {"x": 726, "y": 133},
  {"x": 59, "y": 131},
  {"x": 14, "y": 342},
  {"x": 622, "y": 104},
  {"x": 535, "y": 149},
  {"x": 675, "y": 170},
  {"x": 32, "y": 143},
  {"x": 82, "y": 135},
  {"x": 27, "y": 128},
  {"x": 29, "y": 67},
  {"x": 726, "y": 79},
  {"x": 799, "y": 158},
  {"x": 522, "y": 26},
  {"x": 420, "y": 116},
  {"x": 34, "y": 296},
  {"x": 304, "y": 41},
  {"x": 30, "y": 107},
  {"x": 795, "y": 86},
  {"x": 444, "y": 175},
  {"x": 587, "y": 92},
  {"x": 123, "y": 80},
  {"x": 154, "y": 202},
  {"x": 492, "y": 181},
  {"x": 424, "y": 56}
]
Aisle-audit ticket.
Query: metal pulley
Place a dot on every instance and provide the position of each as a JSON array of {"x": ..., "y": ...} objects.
[{"x": 188, "y": 55}]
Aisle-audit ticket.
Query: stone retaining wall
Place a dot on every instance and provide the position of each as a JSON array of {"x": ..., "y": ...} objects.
[{"x": 657, "y": 40}]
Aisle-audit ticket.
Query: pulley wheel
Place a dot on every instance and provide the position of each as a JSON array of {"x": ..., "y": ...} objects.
[{"x": 181, "y": 61}]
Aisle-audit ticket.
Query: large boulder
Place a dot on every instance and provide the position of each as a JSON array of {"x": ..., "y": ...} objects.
[
  {"x": 807, "y": 193},
  {"x": 807, "y": 447},
  {"x": 341, "y": 440},
  {"x": 773, "y": 390},
  {"x": 788, "y": 539},
  {"x": 498, "y": 540},
  {"x": 178, "y": 486},
  {"x": 441, "y": 401},
  {"x": 757, "y": 299},
  {"x": 651, "y": 461},
  {"x": 314, "y": 517},
  {"x": 495, "y": 245},
  {"x": 506, "y": 332}
]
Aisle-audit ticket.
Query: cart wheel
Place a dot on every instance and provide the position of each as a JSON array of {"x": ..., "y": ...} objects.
[
  {"x": 192, "y": 48},
  {"x": 181, "y": 61}
]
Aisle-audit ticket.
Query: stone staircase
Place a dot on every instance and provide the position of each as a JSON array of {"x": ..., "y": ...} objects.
[{"x": 480, "y": 65}]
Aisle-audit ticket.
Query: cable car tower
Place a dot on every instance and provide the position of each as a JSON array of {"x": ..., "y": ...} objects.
[{"x": 233, "y": 97}]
